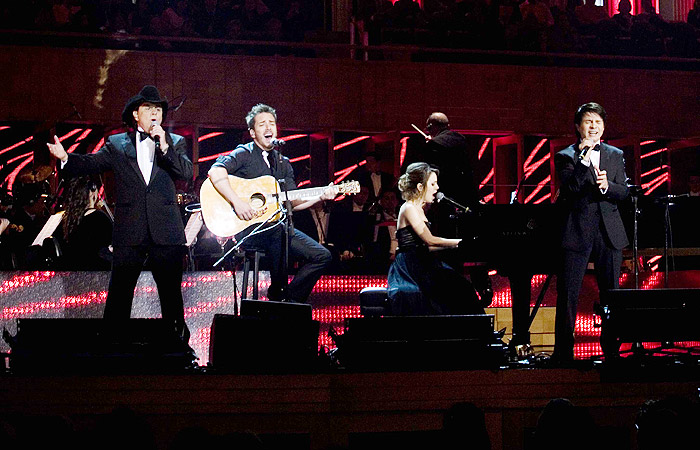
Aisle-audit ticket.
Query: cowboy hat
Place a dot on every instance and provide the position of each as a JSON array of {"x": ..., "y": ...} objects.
[{"x": 148, "y": 94}]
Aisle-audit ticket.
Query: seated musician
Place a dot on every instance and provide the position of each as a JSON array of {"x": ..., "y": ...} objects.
[
  {"x": 255, "y": 159},
  {"x": 419, "y": 283},
  {"x": 86, "y": 230}
]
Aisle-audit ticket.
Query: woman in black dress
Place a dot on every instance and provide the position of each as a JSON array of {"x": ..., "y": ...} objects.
[
  {"x": 87, "y": 231},
  {"x": 419, "y": 283}
]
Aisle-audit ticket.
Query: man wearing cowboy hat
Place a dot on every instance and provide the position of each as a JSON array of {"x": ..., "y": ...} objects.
[{"x": 146, "y": 161}]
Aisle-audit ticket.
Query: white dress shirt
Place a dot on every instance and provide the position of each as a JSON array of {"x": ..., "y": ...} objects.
[{"x": 145, "y": 153}]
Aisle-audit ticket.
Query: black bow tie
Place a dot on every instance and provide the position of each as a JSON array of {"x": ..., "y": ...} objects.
[
  {"x": 143, "y": 136},
  {"x": 596, "y": 148}
]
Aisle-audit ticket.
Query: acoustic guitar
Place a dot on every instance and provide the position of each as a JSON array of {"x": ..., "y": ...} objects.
[{"x": 263, "y": 194}]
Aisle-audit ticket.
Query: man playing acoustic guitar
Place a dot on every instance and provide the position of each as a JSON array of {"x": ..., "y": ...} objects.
[{"x": 256, "y": 159}]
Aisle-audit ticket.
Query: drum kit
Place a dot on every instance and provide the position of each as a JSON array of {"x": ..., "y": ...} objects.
[{"x": 32, "y": 182}]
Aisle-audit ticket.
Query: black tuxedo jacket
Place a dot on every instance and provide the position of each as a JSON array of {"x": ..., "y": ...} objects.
[
  {"x": 386, "y": 182},
  {"x": 449, "y": 152},
  {"x": 583, "y": 203},
  {"x": 140, "y": 207}
]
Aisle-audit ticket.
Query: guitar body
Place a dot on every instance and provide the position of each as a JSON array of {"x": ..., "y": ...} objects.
[
  {"x": 261, "y": 194},
  {"x": 218, "y": 213}
]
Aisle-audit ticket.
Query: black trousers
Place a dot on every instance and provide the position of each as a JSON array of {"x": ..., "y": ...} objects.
[
  {"x": 315, "y": 257},
  {"x": 165, "y": 262},
  {"x": 607, "y": 261}
]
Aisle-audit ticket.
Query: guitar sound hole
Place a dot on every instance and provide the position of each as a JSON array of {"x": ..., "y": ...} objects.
[{"x": 257, "y": 201}]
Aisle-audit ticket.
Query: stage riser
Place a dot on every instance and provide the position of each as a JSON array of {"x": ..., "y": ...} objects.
[{"x": 82, "y": 295}]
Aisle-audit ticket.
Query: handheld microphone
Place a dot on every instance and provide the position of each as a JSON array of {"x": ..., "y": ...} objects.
[
  {"x": 440, "y": 196},
  {"x": 154, "y": 122},
  {"x": 583, "y": 151},
  {"x": 277, "y": 143}
]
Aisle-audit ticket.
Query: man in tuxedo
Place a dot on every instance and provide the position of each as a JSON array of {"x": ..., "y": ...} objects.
[
  {"x": 255, "y": 159},
  {"x": 377, "y": 181},
  {"x": 146, "y": 161},
  {"x": 593, "y": 183}
]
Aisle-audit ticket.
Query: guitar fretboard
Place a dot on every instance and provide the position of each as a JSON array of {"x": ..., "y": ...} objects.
[{"x": 302, "y": 193}]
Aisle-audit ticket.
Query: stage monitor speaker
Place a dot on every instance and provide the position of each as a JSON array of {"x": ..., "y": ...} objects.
[
  {"x": 420, "y": 343},
  {"x": 97, "y": 346},
  {"x": 276, "y": 310},
  {"x": 649, "y": 315},
  {"x": 272, "y": 344}
]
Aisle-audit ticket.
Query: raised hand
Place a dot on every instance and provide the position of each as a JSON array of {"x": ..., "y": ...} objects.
[{"x": 57, "y": 149}]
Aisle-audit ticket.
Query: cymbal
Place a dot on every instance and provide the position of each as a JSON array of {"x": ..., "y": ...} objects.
[{"x": 34, "y": 174}]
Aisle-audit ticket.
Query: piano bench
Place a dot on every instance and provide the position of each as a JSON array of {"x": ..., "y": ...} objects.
[{"x": 374, "y": 302}]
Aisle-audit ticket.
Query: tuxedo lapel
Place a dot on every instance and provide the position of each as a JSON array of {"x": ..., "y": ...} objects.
[
  {"x": 154, "y": 169},
  {"x": 129, "y": 146},
  {"x": 604, "y": 156}
]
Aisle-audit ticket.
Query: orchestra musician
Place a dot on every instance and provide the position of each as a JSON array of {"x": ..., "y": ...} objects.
[{"x": 86, "y": 234}]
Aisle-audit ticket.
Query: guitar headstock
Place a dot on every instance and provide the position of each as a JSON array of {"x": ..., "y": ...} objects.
[{"x": 348, "y": 187}]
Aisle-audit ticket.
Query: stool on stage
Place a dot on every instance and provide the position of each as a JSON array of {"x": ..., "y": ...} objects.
[
  {"x": 248, "y": 255},
  {"x": 374, "y": 302}
]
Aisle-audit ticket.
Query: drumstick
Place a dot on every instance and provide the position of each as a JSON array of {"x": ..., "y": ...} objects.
[{"x": 420, "y": 131}]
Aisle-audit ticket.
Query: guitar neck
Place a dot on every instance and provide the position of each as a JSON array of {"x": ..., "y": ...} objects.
[{"x": 298, "y": 194}]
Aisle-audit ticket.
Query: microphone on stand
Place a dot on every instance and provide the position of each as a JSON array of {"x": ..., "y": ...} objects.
[
  {"x": 440, "y": 197},
  {"x": 277, "y": 143}
]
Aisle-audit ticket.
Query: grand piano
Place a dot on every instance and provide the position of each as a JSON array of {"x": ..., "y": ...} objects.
[
  {"x": 518, "y": 240},
  {"x": 522, "y": 240}
]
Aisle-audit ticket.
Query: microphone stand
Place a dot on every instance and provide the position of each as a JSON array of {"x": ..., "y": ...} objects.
[
  {"x": 288, "y": 230},
  {"x": 634, "y": 193},
  {"x": 252, "y": 233},
  {"x": 668, "y": 238}
]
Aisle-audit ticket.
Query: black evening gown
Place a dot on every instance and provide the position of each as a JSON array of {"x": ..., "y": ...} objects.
[
  {"x": 87, "y": 246},
  {"x": 420, "y": 284}
]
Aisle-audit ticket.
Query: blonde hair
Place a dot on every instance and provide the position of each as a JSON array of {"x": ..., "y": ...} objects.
[{"x": 416, "y": 173}]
